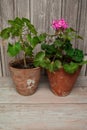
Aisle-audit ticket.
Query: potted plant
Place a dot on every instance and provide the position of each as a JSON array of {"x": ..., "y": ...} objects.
[
  {"x": 62, "y": 62},
  {"x": 24, "y": 36}
]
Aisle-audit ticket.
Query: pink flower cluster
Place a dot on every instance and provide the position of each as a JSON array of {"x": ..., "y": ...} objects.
[{"x": 59, "y": 24}]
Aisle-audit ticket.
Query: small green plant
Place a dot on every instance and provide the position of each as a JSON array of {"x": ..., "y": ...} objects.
[
  {"x": 24, "y": 35},
  {"x": 57, "y": 51}
]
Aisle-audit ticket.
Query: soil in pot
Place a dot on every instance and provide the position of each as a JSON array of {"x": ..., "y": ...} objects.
[
  {"x": 25, "y": 79},
  {"x": 61, "y": 82}
]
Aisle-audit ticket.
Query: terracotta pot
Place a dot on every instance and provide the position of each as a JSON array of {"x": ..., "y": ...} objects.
[
  {"x": 61, "y": 82},
  {"x": 26, "y": 80}
]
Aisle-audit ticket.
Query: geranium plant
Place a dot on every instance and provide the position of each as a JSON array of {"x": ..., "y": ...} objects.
[
  {"x": 57, "y": 50},
  {"x": 24, "y": 36}
]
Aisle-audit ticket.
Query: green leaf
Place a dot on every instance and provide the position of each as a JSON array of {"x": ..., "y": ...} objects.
[
  {"x": 29, "y": 37},
  {"x": 25, "y": 20},
  {"x": 44, "y": 46},
  {"x": 72, "y": 30},
  {"x": 71, "y": 67},
  {"x": 49, "y": 49},
  {"x": 78, "y": 55},
  {"x": 51, "y": 67},
  {"x": 83, "y": 62},
  {"x": 42, "y": 37},
  {"x": 14, "y": 49},
  {"x": 58, "y": 43},
  {"x": 59, "y": 54},
  {"x": 57, "y": 64},
  {"x": 16, "y": 22},
  {"x": 29, "y": 25},
  {"x": 5, "y": 33},
  {"x": 79, "y": 37},
  {"x": 28, "y": 51},
  {"x": 15, "y": 31},
  {"x": 32, "y": 29},
  {"x": 39, "y": 58},
  {"x": 34, "y": 41}
]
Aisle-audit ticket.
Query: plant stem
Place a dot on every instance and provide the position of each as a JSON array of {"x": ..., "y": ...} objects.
[
  {"x": 25, "y": 64},
  {"x": 24, "y": 59}
]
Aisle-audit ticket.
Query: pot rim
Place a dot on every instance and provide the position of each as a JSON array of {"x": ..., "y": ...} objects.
[{"x": 12, "y": 61}]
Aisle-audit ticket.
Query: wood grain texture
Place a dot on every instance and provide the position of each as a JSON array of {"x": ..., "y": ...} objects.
[
  {"x": 70, "y": 13},
  {"x": 81, "y": 24},
  {"x": 41, "y": 13},
  {"x": 6, "y": 14},
  {"x": 84, "y": 67},
  {"x": 22, "y": 8},
  {"x": 43, "y": 117},
  {"x": 8, "y": 93},
  {"x": 43, "y": 110}
]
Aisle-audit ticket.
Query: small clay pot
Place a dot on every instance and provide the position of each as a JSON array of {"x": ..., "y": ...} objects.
[
  {"x": 61, "y": 82},
  {"x": 26, "y": 80}
]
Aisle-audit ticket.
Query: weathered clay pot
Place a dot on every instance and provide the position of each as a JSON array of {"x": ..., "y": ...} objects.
[
  {"x": 26, "y": 80},
  {"x": 61, "y": 82}
]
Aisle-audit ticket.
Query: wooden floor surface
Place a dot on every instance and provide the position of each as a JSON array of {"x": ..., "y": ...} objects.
[{"x": 43, "y": 110}]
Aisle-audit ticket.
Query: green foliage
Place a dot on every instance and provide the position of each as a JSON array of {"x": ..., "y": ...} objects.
[
  {"x": 25, "y": 34},
  {"x": 29, "y": 25},
  {"x": 57, "y": 52},
  {"x": 71, "y": 67},
  {"x": 39, "y": 59},
  {"x": 5, "y": 33},
  {"x": 14, "y": 49},
  {"x": 53, "y": 66},
  {"x": 50, "y": 50},
  {"x": 75, "y": 54},
  {"x": 20, "y": 28},
  {"x": 34, "y": 41},
  {"x": 42, "y": 37}
]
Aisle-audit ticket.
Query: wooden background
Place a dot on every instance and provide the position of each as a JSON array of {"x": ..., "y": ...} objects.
[{"x": 41, "y": 13}]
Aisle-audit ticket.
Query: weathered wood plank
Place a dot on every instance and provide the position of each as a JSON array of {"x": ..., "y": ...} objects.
[
  {"x": 8, "y": 93},
  {"x": 22, "y": 8},
  {"x": 43, "y": 15},
  {"x": 84, "y": 67},
  {"x": 81, "y": 23},
  {"x": 85, "y": 34},
  {"x": 70, "y": 13},
  {"x": 43, "y": 117},
  {"x": 6, "y": 14}
]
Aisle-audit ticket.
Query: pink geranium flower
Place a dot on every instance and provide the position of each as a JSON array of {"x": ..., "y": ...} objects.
[{"x": 59, "y": 24}]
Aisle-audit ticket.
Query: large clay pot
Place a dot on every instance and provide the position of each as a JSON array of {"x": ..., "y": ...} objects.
[
  {"x": 26, "y": 80},
  {"x": 61, "y": 82}
]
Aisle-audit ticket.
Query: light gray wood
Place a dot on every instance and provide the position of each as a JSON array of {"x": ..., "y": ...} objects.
[
  {"x": 8, "y": 93},
  {"x": 22, "y": 8},
  {"x": 43, "y": 117},
  {"x": 70, "y": 13},
  {"x": 6, "y": 14},
  {"x": 41, "y": 13},
  {"x": 81, "y": 24},
  {"x": 84, "y": 67},
  {"x": 85, "y": 35},
  {"x": 43, "y": 110}
]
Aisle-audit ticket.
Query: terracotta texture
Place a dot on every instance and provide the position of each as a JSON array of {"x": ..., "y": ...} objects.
[
  {"x": 26, "y": 80},
  {"x": 61, "y": 82}
]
